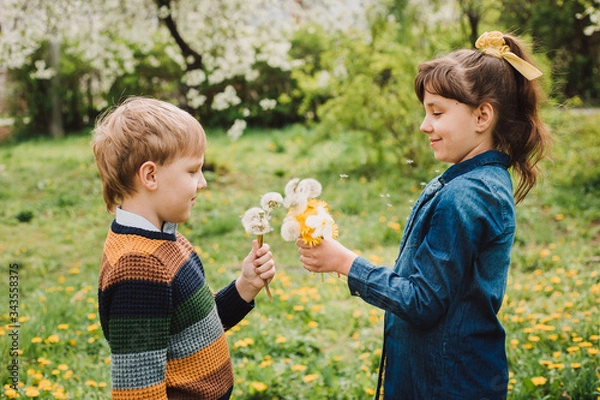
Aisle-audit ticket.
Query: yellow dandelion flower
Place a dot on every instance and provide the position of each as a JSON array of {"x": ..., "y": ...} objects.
[
  {"x": 539, "y": 380},
  {"x": 63, "y": 327},
  {"x": 592, "y": 351},
  {"x": 36, "y": 339},
  {"x": 298, "y": 367},
  {"x": 91, "y": 383},
  {"x": 43, "y": 361},
  {"x": 60, "y": 394},
  {"x": 92, "y": 327},
  {"x": 575, "y": 365},
  {"x": 313, "y": 324},
  {"x": 317, "y": 308},
  {"x": 310, "y": 378},
  {"x": 63, "y": 367},
  {"x": 369, "y": 391},
  {"x": 280, "y": 339},
  {"x": 31, "y": 392},
  {"x": 259, "y": 386},
  {"x": 44, "y": 384},
  {"x": 316, "y": 223},
  {"x": 52, "y": 339},
  {"x": 11, "y": 393},
  {"x": 559, "y": 217}
]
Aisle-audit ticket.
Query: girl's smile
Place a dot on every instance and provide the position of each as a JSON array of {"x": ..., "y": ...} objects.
[{"x": 454, "y": 129}]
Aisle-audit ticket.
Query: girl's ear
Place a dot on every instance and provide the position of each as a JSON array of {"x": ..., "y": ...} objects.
[
  {"x": 147, "y": 175},
  {"x": 485, "y": 117}
]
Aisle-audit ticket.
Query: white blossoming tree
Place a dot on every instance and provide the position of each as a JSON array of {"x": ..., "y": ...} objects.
[{"x": 215, "y": 43}]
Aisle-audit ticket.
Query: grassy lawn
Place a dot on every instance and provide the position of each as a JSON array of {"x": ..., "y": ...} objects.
[{"x": 314, "y": 341}]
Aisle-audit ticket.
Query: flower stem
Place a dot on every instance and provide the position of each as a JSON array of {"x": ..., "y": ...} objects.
[{"x": 259, "y": 238}]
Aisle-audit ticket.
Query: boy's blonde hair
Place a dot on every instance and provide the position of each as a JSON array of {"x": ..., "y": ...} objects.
[{"x": 138, "y": 130}]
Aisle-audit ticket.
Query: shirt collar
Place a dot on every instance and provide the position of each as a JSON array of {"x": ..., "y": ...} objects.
[
  {"x": 133, "y": 220},
  {"x": 489, "y": 157}
]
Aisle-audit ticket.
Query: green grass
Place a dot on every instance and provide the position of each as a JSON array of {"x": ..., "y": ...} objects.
[{"x": 314, "y": 341}]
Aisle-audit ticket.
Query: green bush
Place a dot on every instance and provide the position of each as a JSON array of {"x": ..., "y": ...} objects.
[{"x": 361, "y": 91}]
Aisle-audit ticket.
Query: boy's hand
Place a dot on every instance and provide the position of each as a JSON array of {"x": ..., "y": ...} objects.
[{"x": 257, "y": 267}]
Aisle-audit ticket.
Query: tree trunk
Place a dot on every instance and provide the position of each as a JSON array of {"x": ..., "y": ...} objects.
[{"x": 57, "y": 129}]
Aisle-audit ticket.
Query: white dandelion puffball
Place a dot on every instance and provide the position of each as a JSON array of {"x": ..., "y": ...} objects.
[
  {"x": 309, "y": 187},
  {"x": 256, "y": 221},
  {"x": 290, "y": 187},
  {"x": 290, "y": 229},
  {"x": 270, "y": 201}
]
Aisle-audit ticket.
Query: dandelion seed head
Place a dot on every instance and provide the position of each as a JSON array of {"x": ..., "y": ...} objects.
[
  {"x": 256, "y": 222},
  {"x": 290, "y": 229},
  {"x": 270, "y": 201},
  {"x": 309, "y": 187}
]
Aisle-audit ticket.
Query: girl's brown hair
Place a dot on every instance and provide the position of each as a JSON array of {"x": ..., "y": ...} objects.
[
  {"x": 472, "y": 77},
  {"x": 138, "y": 130}
]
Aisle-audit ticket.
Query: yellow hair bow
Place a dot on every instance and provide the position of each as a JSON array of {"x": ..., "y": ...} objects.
[{"x": 493, "y": 43}]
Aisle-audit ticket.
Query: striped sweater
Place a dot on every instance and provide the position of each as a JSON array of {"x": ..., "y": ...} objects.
[{"x": 164, "y": 327}]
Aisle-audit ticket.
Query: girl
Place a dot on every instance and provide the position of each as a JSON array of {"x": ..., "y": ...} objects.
[{"x": 442, "y": 338}]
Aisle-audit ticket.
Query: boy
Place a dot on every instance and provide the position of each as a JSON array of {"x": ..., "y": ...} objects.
[{"x": 164, "y": 327}]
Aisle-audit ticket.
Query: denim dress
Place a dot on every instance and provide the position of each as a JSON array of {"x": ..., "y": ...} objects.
[{"x": 442, "y": 337}]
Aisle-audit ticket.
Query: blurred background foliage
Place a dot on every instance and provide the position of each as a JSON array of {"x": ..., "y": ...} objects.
[{"x": 352, "y": 83}]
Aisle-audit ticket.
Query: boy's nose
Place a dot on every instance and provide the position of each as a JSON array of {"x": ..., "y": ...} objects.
[{"x": 201, "y": 183}]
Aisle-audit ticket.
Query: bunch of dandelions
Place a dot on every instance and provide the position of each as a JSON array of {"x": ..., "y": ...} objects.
[
  {"x": 307, "y": 217},
  {"x": 256, "y": 221}
]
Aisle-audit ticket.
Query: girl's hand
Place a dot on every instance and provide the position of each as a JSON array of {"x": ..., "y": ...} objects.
[{"x": 328, "y": 256}]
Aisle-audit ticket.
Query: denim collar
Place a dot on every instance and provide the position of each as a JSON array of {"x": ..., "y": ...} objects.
[{"x": 489, "y": 157}]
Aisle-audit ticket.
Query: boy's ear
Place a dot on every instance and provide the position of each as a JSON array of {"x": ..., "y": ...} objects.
[
  {"x": 147, "y": 175},
  {"x": 485, "y": 117}
]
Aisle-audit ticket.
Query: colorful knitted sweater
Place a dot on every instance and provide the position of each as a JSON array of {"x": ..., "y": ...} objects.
[{"x": 164, "y": 327}]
